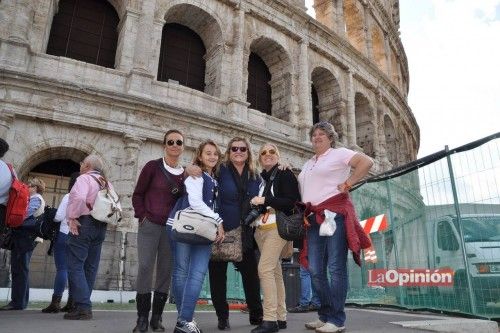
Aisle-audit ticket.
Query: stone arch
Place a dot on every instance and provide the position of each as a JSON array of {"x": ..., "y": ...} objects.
[
  {"x": 378, "y": 48},
  {"x": 279, "y": 64},
  {"x": 355, "y": 24},
  {"x": 365, "y": 127},
  {"x": 404, "y": 150},
  {"x": 209, "y": 28},
  {"x": 85, "y": 31},
  {"x": 56, "y": 149},
  {"x": 329, "y": 98},
  {"x": 391, "y": 146},
  {"x": 120, "y": 7}
]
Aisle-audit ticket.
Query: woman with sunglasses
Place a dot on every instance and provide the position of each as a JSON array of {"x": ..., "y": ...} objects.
[
  {"x": 160, "y": 184},
  {"x": 238, "y": 183},
  {"x": 282, "y": 194},
  {"x": 191, "y": 261}
]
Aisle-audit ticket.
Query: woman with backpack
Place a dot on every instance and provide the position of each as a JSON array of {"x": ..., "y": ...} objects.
[
  {"x": 191, "y": 261},
  {"x": 61, "y": 277},
  {"x": 23, "y": 239}
]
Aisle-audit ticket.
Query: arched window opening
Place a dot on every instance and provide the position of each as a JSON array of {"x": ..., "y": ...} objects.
[
  {"x": 315, "y": 104},
  {"x": 182, "y": 56},
  {"x": 365, "y": 129},
  {"x": 85, "y": 30},
  {"x": 391, "y": 147},
  {"x": 354, "y": 24},
  {"x": 55, "y": 174},
  {"x": 259, "y": 89}
]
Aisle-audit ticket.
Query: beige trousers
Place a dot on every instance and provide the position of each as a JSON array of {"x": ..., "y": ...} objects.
[{"x": 270, "y": 273}]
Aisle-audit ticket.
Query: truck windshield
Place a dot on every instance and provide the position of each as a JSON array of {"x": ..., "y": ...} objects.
[{"x": 480, "y": 229}]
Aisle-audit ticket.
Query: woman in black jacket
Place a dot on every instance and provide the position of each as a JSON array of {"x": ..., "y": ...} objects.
[{"x": 280, "y": 194}]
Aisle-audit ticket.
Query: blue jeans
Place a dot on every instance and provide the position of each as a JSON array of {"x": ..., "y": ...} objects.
[
  {"x": 190, "y": 268},
  {"x": 329, "y": 252},
  {"x": 20, "y": 264},
  {"x": 83, "y": 255},
  {"x": 61, "y": 265},
  {"x": 306, "y": 289}
]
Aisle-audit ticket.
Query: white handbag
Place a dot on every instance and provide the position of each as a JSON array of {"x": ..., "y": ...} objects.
[
  {"x": 193, "y": 228},
  {"x": 107, "y": 207}
]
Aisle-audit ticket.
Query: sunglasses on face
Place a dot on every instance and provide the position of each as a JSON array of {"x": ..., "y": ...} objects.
[
  {"x": 177, "y": 142},
  {"x": 234, "y": 149},
  {"x": 270, "y": 151}
]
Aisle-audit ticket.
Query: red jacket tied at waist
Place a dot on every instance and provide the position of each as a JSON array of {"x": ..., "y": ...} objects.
[{"x": 340, "y": 204}]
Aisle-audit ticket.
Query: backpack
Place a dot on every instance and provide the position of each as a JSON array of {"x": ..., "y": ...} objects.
[
  {"x": 17, "y": 205},
  {"x": 107, "y": 207},
  {"x": 46, "y": 227}
]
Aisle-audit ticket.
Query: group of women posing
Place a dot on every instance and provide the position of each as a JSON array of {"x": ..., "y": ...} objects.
[{"x": 226, "y": 188}]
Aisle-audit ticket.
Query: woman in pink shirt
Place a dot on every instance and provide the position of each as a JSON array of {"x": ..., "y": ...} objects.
[{"x": 324, "y": 183}]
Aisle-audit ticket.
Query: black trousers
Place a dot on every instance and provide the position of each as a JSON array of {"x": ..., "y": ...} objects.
[
  {"x": 251, "y": 285},
  {"x": 2, "y": 217}
]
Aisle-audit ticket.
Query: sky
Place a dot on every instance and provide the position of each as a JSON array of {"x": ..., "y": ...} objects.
[{"x": 453, "y": 51}]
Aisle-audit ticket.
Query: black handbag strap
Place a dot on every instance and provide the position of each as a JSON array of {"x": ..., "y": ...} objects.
[
  {"x": 269, "y": 184},
  {"x": 173, "y": 184}
]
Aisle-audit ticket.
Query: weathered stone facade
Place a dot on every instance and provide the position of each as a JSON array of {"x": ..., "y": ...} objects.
[{"x": 55, "y": 107}]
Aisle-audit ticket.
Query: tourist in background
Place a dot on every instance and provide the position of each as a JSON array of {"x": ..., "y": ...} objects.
[
  {"x": 86, "y": 235},
  {"x": 5, "y": 183},
  {"x": 309, "y": 300},
  {"x": 61, "y": 238},
  {"x": 160, "y": 184},
  {"x": 281, "y": 195},
  {"x": 23, "y": 239},
  {"x": 325, "y": 181},
  {"x": 191, "y": 261},
  {"x": 238, "y": 183}
]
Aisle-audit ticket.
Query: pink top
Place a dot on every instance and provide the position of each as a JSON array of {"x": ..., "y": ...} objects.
[
  {"x": 321, "y": 175},
  {"x": 82, "y": 195}
]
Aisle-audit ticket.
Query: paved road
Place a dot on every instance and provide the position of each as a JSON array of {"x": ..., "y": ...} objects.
[{"x": 33, "y": 321}]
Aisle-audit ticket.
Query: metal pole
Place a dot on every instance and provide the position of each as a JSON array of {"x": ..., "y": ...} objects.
[
  {"x": 460, "y": 230},
  {"x": 394, "y": 237}
]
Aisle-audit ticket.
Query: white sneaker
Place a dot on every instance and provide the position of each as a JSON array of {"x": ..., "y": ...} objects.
[
  {"x": 329, "y": 328},
  {"x": 312, "y": 325},
  {"x": 38, "y": 240}
]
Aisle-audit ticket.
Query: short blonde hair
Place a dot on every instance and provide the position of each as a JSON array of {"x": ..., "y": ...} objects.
[
  {"x": 273, "y": 146},
  {"x": 38, "y": 183}
]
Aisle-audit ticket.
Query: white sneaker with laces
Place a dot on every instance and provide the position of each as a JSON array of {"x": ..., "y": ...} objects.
[
  {"x": 186, "y": 327},
  {"x": 312, "y": 325},
  {"x": 330, "y": 328}
]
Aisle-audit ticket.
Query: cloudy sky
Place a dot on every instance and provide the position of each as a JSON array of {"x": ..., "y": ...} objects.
[{"x": 453, "y": 50}]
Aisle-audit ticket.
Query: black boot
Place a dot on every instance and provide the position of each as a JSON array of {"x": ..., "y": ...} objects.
[
  {"x": 70, "y": 305},
  {"x": 159, "y": 301},
  {"x": 54, "y": 306},
  {"x": 266, "y": 327},
  {"x": 143, "y": 306}
]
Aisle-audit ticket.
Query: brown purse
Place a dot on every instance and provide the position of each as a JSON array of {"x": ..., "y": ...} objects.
[{"x": 230, "y": 249}]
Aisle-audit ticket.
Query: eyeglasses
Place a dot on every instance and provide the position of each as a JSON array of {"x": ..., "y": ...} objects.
[
  {"x": 234, "y": 149},
  {"x": 270, "y": 151},
  {"x": 177, "y": 142}
]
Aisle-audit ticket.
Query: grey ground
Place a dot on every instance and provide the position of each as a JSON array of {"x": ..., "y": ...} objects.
[{"x": 358, "y": 320}]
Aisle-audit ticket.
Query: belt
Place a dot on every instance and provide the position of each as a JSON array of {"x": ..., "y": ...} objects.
[{"x": 269, "y": 226}]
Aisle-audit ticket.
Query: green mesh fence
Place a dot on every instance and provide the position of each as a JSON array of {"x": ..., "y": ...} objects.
[{"x": 443, "y": 223}]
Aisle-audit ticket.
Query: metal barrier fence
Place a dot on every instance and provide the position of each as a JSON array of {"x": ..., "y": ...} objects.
[{"x": 440, "y": 248}]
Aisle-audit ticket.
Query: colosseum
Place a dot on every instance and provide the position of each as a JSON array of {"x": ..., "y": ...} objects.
[{"x": 110, "y": 77}]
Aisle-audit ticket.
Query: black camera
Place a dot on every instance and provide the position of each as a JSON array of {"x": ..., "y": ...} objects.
[{"x": 253, "y": 214}]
